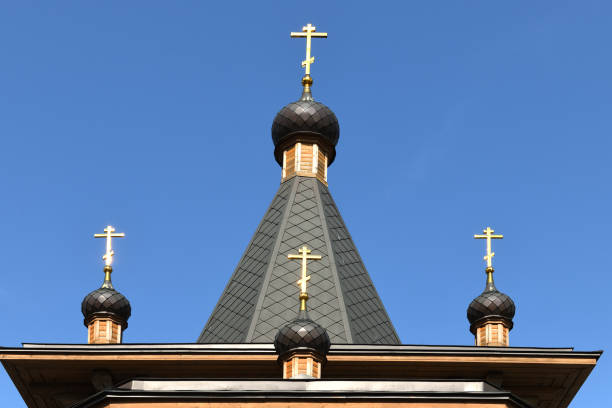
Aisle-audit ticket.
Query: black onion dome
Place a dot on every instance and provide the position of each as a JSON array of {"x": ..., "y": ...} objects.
[
  {"x": 106, "y": 301},
  {"x": 302, "y": 333},
  {"x": 305, "y": 120},
  {"x": 491, "y": 303},
  {"x": 305, "y": 116}
]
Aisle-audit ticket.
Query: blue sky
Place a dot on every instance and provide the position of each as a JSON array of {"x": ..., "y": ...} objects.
[{"x": 155, "y": 117}]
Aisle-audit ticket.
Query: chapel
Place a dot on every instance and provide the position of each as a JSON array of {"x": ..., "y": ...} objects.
[{"x": 299, "y": 323}]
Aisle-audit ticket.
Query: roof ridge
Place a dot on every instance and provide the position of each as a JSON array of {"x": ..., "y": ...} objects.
[
  {"x": 277, "y": 242},
  {"x": 332, "y": 256}
]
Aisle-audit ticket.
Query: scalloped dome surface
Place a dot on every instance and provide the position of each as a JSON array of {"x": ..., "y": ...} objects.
[
  {"x": 491, "y": 303},
  {"x": 105, "y": 300},
  {"x": 302, "y": 332},
  {"x": 306, "y": 116}
]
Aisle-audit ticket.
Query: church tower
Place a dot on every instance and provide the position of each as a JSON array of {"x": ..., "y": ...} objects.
[
  {"x": 302, "y": 344},
  {"x": 105, "y": 310},
  {"x": 260, "y": 295},
  {"x": 490, "y": 314}
]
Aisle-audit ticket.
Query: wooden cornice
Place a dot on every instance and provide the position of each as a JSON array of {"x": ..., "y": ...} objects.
[{"x": 51, "y": 376}]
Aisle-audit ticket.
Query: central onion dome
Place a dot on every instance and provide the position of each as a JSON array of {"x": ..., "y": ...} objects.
[
  {"x": 106, "y": 301},
  {"x": 305, "y": 120},
  {"x": 302, "y": 333},
  {"x": 490, "y": 304}
]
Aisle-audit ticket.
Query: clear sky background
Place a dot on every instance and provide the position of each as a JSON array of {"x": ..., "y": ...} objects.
[{"x": 155, "y": 117}]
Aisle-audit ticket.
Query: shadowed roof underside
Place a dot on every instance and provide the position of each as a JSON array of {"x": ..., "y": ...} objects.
[{"x": 261, "y": 295}]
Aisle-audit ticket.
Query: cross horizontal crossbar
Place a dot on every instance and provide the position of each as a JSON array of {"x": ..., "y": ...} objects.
[{"x": 311, "y": 34}]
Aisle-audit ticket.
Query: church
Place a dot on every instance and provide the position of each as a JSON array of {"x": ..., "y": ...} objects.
[{"x": 300, "y": 323}]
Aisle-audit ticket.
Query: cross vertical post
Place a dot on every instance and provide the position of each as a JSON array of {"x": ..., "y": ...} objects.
[
  {"x": 109, "y": 233},
  {"x": 308, "y": 31},
  {"x": 304, "y": 256},
  {"x": 488, "y": 235}
]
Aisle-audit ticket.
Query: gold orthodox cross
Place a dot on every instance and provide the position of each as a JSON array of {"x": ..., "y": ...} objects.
[
  {"x": 305, "y": 257},
  {"x": 488, "y": 235},
  {"x": 308, "y": 31},
  {"x": 109, "y": 233}
]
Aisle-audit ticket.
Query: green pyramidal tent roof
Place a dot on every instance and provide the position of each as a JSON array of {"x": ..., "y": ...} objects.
[{"x": 262, "y": 294}]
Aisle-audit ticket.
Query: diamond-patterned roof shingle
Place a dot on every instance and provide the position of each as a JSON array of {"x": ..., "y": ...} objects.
[{"x": 262, "y": 294}]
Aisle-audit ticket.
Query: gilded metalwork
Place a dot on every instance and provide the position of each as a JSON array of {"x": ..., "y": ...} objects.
[
  {"x": 304, "y": 255},
  {"x": 107, "y": 277},
  {"x": 488, "y": 235},
  {"x": 308, "y": 31},
  {"x": 109, "y": 233}
]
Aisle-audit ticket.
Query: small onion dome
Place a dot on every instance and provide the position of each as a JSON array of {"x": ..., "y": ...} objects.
[
  {"x": 106, "y": 301},
  {"x": 308, "y": 121},
  {"x": 302, "y": 333},
  {"x": 490, "y": 304}
]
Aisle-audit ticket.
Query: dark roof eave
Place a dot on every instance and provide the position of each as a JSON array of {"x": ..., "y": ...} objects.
[{"x": 251, "y": 348}]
